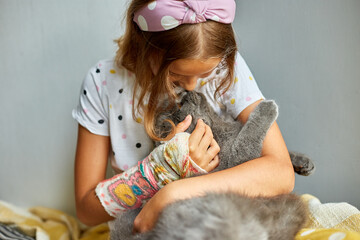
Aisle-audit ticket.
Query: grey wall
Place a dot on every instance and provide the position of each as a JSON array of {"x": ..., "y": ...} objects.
[
  {"x": 46, "y": 48},
  {"x": 304, "y": 54}
]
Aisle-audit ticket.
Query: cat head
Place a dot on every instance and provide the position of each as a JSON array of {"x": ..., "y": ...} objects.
[
  {"x": 192, "y": 103},
  {"x": 195, "y": 104}
]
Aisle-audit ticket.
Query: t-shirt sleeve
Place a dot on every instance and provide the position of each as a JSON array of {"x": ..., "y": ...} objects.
[
  {"x": 92, "y": 111},
  {"x": 244, "y": 91}
]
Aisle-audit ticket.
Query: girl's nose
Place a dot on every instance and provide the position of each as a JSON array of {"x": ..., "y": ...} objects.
[{"x": 190, "y": 84}]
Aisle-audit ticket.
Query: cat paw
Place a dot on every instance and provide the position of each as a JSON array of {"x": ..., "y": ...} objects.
[
  {"x": 269, "y": 109},
  {"x": 302, "y": 164}
]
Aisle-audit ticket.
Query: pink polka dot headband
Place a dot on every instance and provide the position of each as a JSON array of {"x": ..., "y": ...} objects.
[{"x": 162, "y": 15}]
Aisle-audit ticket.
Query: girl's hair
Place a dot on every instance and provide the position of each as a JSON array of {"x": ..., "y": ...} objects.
[{"x": 189, "y": 41}]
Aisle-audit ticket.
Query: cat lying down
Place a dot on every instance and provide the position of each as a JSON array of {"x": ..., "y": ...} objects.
[{"x": 225, "y": 215}]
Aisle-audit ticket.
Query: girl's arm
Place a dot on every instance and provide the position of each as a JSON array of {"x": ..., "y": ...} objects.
[
  {"x": 269, "y": 175},
  {"x": 90, "y": 168}
]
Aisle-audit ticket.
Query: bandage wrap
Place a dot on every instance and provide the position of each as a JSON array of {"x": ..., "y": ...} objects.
[{"x": 134, "y": 187}]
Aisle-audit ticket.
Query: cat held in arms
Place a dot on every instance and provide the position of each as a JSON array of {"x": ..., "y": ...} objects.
[{"x": 227, "y": 215}]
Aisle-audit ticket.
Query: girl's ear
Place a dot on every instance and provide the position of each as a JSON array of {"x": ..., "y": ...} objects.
[
  {"x": 155, "y": 62},
  {"x": 154, "y": 67}
]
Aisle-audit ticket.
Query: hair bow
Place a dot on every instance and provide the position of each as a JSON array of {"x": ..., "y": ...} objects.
[{"x": 162, "y": 15}]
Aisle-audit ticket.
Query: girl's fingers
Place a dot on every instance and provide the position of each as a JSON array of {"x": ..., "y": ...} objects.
[
  {"x": 207, "y": 139},
  {"x": 203, "y": 148},
  {"x": 213, "y": 164},
  {"x": 182, "y": 126},
  {"x": 197, "y": 135},
  {"x": 213, "y": 150}
]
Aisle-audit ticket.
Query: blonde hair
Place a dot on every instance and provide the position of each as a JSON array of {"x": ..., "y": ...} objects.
[{"x": 189, "y": 41}]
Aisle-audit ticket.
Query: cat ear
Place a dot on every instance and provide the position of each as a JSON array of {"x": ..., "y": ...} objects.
[
  {"x": 202, "y": 97},
  {"x": 199, "y": 98},
  {"x": 182, "y": 102}
]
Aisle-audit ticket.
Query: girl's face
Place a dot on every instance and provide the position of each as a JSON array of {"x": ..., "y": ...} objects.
[{"x": 186, "y": 72}]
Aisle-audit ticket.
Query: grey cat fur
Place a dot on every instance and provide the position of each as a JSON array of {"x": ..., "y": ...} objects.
[
  {"x": 221, "y": 216},
  {"x": 225, "y": 215}
]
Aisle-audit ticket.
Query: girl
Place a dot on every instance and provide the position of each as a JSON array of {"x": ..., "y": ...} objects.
[{"x": 170, "y": 45}]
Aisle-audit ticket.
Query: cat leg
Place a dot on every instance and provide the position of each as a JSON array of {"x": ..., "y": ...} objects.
[
  {"x": 302, "y": 164},
  {"x": 261, "y": 119},
  {"x": 248, "y": 143}
]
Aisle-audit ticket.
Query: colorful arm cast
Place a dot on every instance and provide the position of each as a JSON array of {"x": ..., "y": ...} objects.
[{"x": 134, "y": 187}]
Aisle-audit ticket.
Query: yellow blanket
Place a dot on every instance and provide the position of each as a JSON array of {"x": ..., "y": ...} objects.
[
  {"x": 333, "y": 221},
  {"x": 49, "y": 224},
  {"x": 330, "y": 221}
]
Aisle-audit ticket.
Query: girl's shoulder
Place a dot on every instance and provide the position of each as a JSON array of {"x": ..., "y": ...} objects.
[
  {"x": 106, "y": 77},
  {"x": 107, "y": 69},
  {"x": 240, "y": 64}
]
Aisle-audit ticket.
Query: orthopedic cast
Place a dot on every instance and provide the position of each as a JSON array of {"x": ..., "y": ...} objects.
[{"x": 134, "y": 187}]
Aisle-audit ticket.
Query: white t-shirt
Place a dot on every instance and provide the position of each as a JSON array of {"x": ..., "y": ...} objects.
[{"x": 105, "y": 106}]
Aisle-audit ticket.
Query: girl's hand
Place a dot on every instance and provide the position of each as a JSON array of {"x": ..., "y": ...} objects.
[
  {"x": 203, "y": 148},
  {"x": 148, "y": 216}
]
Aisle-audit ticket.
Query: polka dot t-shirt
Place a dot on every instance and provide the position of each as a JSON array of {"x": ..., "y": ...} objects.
[{"x": 105, "y": 106}]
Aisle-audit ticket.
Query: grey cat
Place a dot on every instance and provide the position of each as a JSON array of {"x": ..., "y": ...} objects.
[
  {"x": 238, "y": 143},
  {"x": 225, "y": 215}
]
